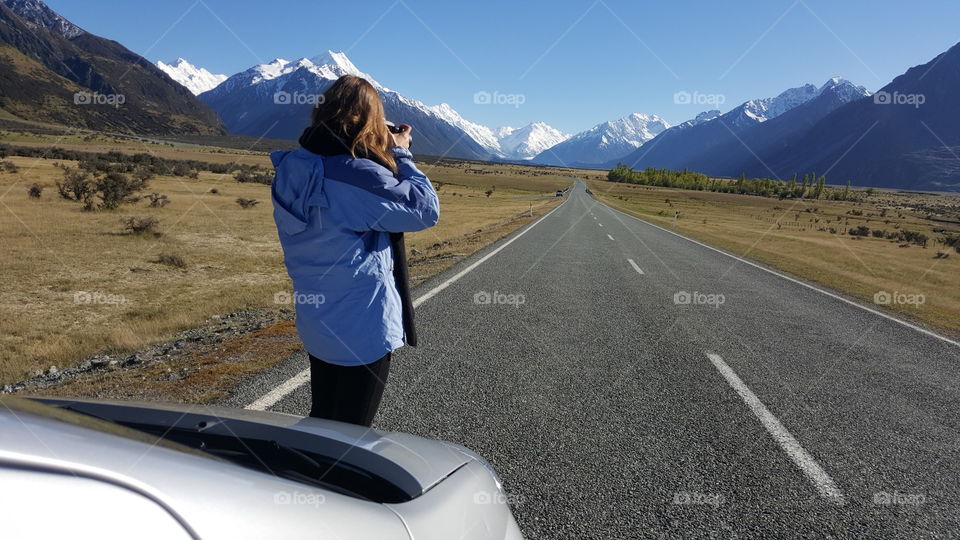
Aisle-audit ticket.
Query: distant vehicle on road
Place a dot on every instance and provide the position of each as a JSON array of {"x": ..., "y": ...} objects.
[
  {"x": 559, "y": 193},
  {"x": 137, "y": 470}
]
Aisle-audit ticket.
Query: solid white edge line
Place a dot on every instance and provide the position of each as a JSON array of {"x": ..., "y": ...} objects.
[
  {"x": 287, "y": 387},
  {"x": 797, "y": 281},
  {"x": 610, "y": 237},
  {"x": 803, "y": 460},
  {"x": 635, "y": 267}
]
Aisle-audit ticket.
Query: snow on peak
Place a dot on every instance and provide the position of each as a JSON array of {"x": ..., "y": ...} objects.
[
  {"x": 482, "y": 134},
  {"x": 37, "y": 13},
  {"x": 846, "y": 90},
  {"x": 197, "y": 80},
  {"x": 633, "y": 130},
  {"x": 337, "y": 60},
  {"x": 528, "y": 141}
]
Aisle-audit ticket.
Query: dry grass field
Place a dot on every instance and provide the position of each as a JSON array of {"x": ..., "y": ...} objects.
[
  {"x": 76, "y": 283},
  {"x": 810, "y": 239}
]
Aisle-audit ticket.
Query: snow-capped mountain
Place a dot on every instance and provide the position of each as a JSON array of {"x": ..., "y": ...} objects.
[
  {"x": 36, "y": 13},
  {"x": 274, "y": 100},
  {"x": 710, "y": 140},
  {"x": 196, "y": 80},
  {"x": 605, "y": 141},
  {"x": 705, "y": 116},
  {"x": 528, "y": 141}
]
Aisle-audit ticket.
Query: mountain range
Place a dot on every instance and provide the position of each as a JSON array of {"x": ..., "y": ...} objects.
[
  {"x": 907, "y": 135},
  {"x": 718, "y": 141},
  {"x": 604, "y": 142},
  {"x": 53, "y": 71}
]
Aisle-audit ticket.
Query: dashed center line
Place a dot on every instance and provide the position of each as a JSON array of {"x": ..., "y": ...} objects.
[
  {"x": 635, "y": 267},
  {"x": 610, "y": 237},
  {"x": 803, "y": 460}
]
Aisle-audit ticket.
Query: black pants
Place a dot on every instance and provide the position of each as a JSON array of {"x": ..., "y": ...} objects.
[{"x": 347, "y": 393}]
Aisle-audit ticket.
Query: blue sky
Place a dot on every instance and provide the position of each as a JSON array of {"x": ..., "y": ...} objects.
[{"x": 573, "y": 64}]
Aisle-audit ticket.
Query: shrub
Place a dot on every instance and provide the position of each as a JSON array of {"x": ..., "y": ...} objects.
[
  {"x": 247, "y": 203},
  {"x": 182, "y": 169},
  {"x": 76, "y": 185},
  {"x": 140, "y": 224},
  {"x": 158, "y": 200},
  {"x": 256, "y": 177},
  {"x": 214, "y": 190},
  {"x": 35, "y": 191},
  {"x": 10, "y": 167},
  {"x": 115, "y": 189},
  {"x": 169, "y": 259},
  {"x": 877, "y": 233},
  {"x": 861, "y": 230}
]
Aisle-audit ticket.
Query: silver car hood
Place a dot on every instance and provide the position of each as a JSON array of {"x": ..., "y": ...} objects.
[{"x": 412, "y": 463}]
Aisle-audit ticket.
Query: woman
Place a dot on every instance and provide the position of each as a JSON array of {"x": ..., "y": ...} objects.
[{"x": 341, "y": 203}]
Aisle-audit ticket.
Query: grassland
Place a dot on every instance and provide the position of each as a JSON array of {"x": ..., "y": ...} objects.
[
  {"x": 76, "y": 283},
  {"x": 810, "y": 239}
]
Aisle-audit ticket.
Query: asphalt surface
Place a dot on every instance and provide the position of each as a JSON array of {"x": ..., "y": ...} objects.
[{"x": 601, "y": 402}]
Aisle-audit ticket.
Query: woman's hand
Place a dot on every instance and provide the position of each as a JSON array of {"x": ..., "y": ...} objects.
[{"x": 403, "y": 138}]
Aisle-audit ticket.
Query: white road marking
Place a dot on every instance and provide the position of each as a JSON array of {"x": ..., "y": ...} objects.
[
  {"x": 287, "y": 387},
  {"x": 290, "y": 385},
  {"x": 803, "y": 460},
  {"x": 610, "y": 237},
  {"x": 635, "y": 267},
  {"x": 799, "y": 282}
]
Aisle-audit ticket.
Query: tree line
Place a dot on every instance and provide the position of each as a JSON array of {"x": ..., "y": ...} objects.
[{"x": 810, "y": 186}]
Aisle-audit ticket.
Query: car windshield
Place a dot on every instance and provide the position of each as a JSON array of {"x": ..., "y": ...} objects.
[{"x": 665, "y": 269}]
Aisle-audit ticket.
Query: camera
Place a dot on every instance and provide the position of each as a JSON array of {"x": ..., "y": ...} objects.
[{"x": 396, "y": 130}]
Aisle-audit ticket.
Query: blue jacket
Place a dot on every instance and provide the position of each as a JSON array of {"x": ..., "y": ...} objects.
[{"x": 334, "y": 216}]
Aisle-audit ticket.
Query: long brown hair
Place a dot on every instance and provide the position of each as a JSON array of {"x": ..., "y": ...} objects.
[{"x": 352, "y": 110}]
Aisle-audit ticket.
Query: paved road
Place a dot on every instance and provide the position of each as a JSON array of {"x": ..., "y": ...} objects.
[{"x": 612, "y": 411}]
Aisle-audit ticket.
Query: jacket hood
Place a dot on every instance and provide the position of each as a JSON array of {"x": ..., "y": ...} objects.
[{"x": 298, "y": 187}]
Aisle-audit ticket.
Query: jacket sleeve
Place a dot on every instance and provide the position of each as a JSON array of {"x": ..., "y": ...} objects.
[{"x": 406, "y": 203}]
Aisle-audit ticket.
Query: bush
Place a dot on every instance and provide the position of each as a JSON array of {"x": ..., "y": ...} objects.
[
  {"x": 182, "y": 169},
  {"x": 169, "y": 259},
  {"x": 158, "y": 200},
  {"x": 10, "y": 167},
  {"x": 877, "y": 233},
  {"x": 247, "y": 203},
  {"x": 256, "y": 177},
  {"x": 861, "y": 230},
  {"x": 76, "y": 185},
  {"x": 140, "y": 224},
  {"x": 115, "y": 189},
  {"x": 35, "y": 191}
]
